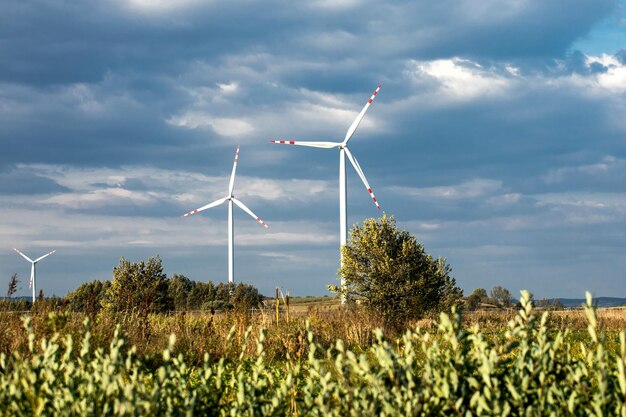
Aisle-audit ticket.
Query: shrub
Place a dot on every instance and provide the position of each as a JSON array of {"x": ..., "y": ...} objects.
[{"x": 391, "y": 273}]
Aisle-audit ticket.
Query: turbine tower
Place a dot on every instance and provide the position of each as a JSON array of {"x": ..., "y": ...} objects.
[
  {"x": 343, "y": 152},
  {"x": 231, "y": 199},
  {"x": 33, "y": 280}
]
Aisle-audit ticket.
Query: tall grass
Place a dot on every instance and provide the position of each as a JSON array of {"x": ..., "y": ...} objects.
[
  {"x": 447, "y": 369},
  {"x": 201, "y": 332},
  {"x": 197, "y": 333}
]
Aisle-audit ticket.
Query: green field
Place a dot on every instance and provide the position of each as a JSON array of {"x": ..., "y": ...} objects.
[{"x": 324, "y": 362}]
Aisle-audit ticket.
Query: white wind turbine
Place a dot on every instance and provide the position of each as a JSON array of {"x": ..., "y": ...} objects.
[
  {"x": 33, "y": 279},
  {"x": 231, "y": 199},
  {"x": 343, "y": 152}
]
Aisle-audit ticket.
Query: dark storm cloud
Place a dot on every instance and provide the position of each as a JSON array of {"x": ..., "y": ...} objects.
[
  {"x": 47, "y": 42},
  {"x": 103, "y": 79},
  {"x": 22, "y": 181},
  {"x": 488, "y": 132}
]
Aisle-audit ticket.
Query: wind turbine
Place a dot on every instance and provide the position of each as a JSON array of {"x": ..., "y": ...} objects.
[
  {"x": 33, "y": 281},
  {"x": 231, "y": 199},
  {"x": 343, "y": 152}
]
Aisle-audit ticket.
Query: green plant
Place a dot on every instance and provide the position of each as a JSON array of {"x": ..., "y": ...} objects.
[
  {"x": 391, "y": 273},
  {"x": 452, "y": 370}
]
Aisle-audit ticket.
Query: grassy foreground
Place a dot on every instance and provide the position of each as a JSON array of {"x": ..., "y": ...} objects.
[{"x": 525, "y": 369}]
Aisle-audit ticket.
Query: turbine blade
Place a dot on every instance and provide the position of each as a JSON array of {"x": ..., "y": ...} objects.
[
  {"x": 358, "y": 119},
  {"x": 247, "y": 210},
  {"x": 25, "y": 257},
  {"x": 213, "y": 204},
  {"x": 231, "y": 184},
  {"x": 47, "y": 254},
  {"x": 327, "y": 145},
  {"x": 32, "y": 276},
  {"x": 359, "y": 171}
]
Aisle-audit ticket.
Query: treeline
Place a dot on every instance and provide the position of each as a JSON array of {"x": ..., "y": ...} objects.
[
  {"x": 500, "y": 297},
  {"x": 143, "y": 288}
]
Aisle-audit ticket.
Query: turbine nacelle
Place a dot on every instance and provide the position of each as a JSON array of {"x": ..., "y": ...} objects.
[
  {"x": 343, "y": 152},
  {"x": 343, "y": 146}
]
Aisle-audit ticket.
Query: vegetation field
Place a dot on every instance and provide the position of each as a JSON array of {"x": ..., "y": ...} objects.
[{"x": 321, "y": 362}]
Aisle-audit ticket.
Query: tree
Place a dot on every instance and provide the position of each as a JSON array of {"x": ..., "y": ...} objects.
[
  {"x": 245, "y": 297},
  {"x": 201, "y": 296},
  {"x": 502, "y": 296},
  {"x": 88, "y": 297},
  {"x": 392, "y": 274},
  {"x": 140, "y": 287},
  {"x": 178, "y": 288},
  {"x": 557, "y": 304},
  {"x": 479, "y": 295},
  {"x": 223, "y": 292}
]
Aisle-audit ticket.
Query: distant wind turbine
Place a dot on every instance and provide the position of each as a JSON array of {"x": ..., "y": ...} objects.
[
  {"x": 33, "y": 279},
  {"x": 343, "y": 152},
  {"x": 231, "y": 199}
]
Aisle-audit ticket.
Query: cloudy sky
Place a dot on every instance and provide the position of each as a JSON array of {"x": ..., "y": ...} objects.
[{"x": 498, "y": 138}]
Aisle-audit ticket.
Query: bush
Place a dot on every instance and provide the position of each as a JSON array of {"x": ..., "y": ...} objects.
[
  {"x": 246, "y": 297},
  {"x": 88, "y": 297},
  {"x": 139, "y": 287},
  {"x": 390, "y": 272},
  {"x": 478, "y": 296}
]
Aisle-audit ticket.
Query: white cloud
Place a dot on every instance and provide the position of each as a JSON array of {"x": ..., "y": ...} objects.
[
  {"x": 157, "y": 7},
  {"x": 604, "y": 60},
  {"x": 229, "y": 88},
  {"x": 614, "y": 78},
  {"x": 462, "y": 79},
  {"x": 335, "y": 4},
  {"x": 338, "y": 40},
  {"x": 85, "y": 96},
  {"x": 100, "y": 198},
  {"x": 100, "y": 187},
  {"x": 295, "y": 111},
  {"x": 608, "y": 165},
  {"x": 223, "y": 126},
  {"x": 467, "y": 190},
  {"x": 609, "y": 83},
  {"x": 584, "y": 208},
  {"x": 505, "y": 199}
]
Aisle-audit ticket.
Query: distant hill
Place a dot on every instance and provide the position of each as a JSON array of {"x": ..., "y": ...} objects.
[{"x": 598, "y": 301}]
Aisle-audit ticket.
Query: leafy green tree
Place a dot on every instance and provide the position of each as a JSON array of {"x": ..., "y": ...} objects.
[
  {"x": 392, "y": 274},
  {"x": 245, "y": 297},
  {"x": 179, "y": 288},
  {"x": 479, "y": 295},
  {"x": 88, "y": 297},
  {"x": 201, "y": 296},
  {"x": 222, "y": 296},
  {"x": 502, "y": 296},
  {"x": 139, "y": 287}
]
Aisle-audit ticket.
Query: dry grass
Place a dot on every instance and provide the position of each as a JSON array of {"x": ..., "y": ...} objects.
[{"x": 201, "y": 332}]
